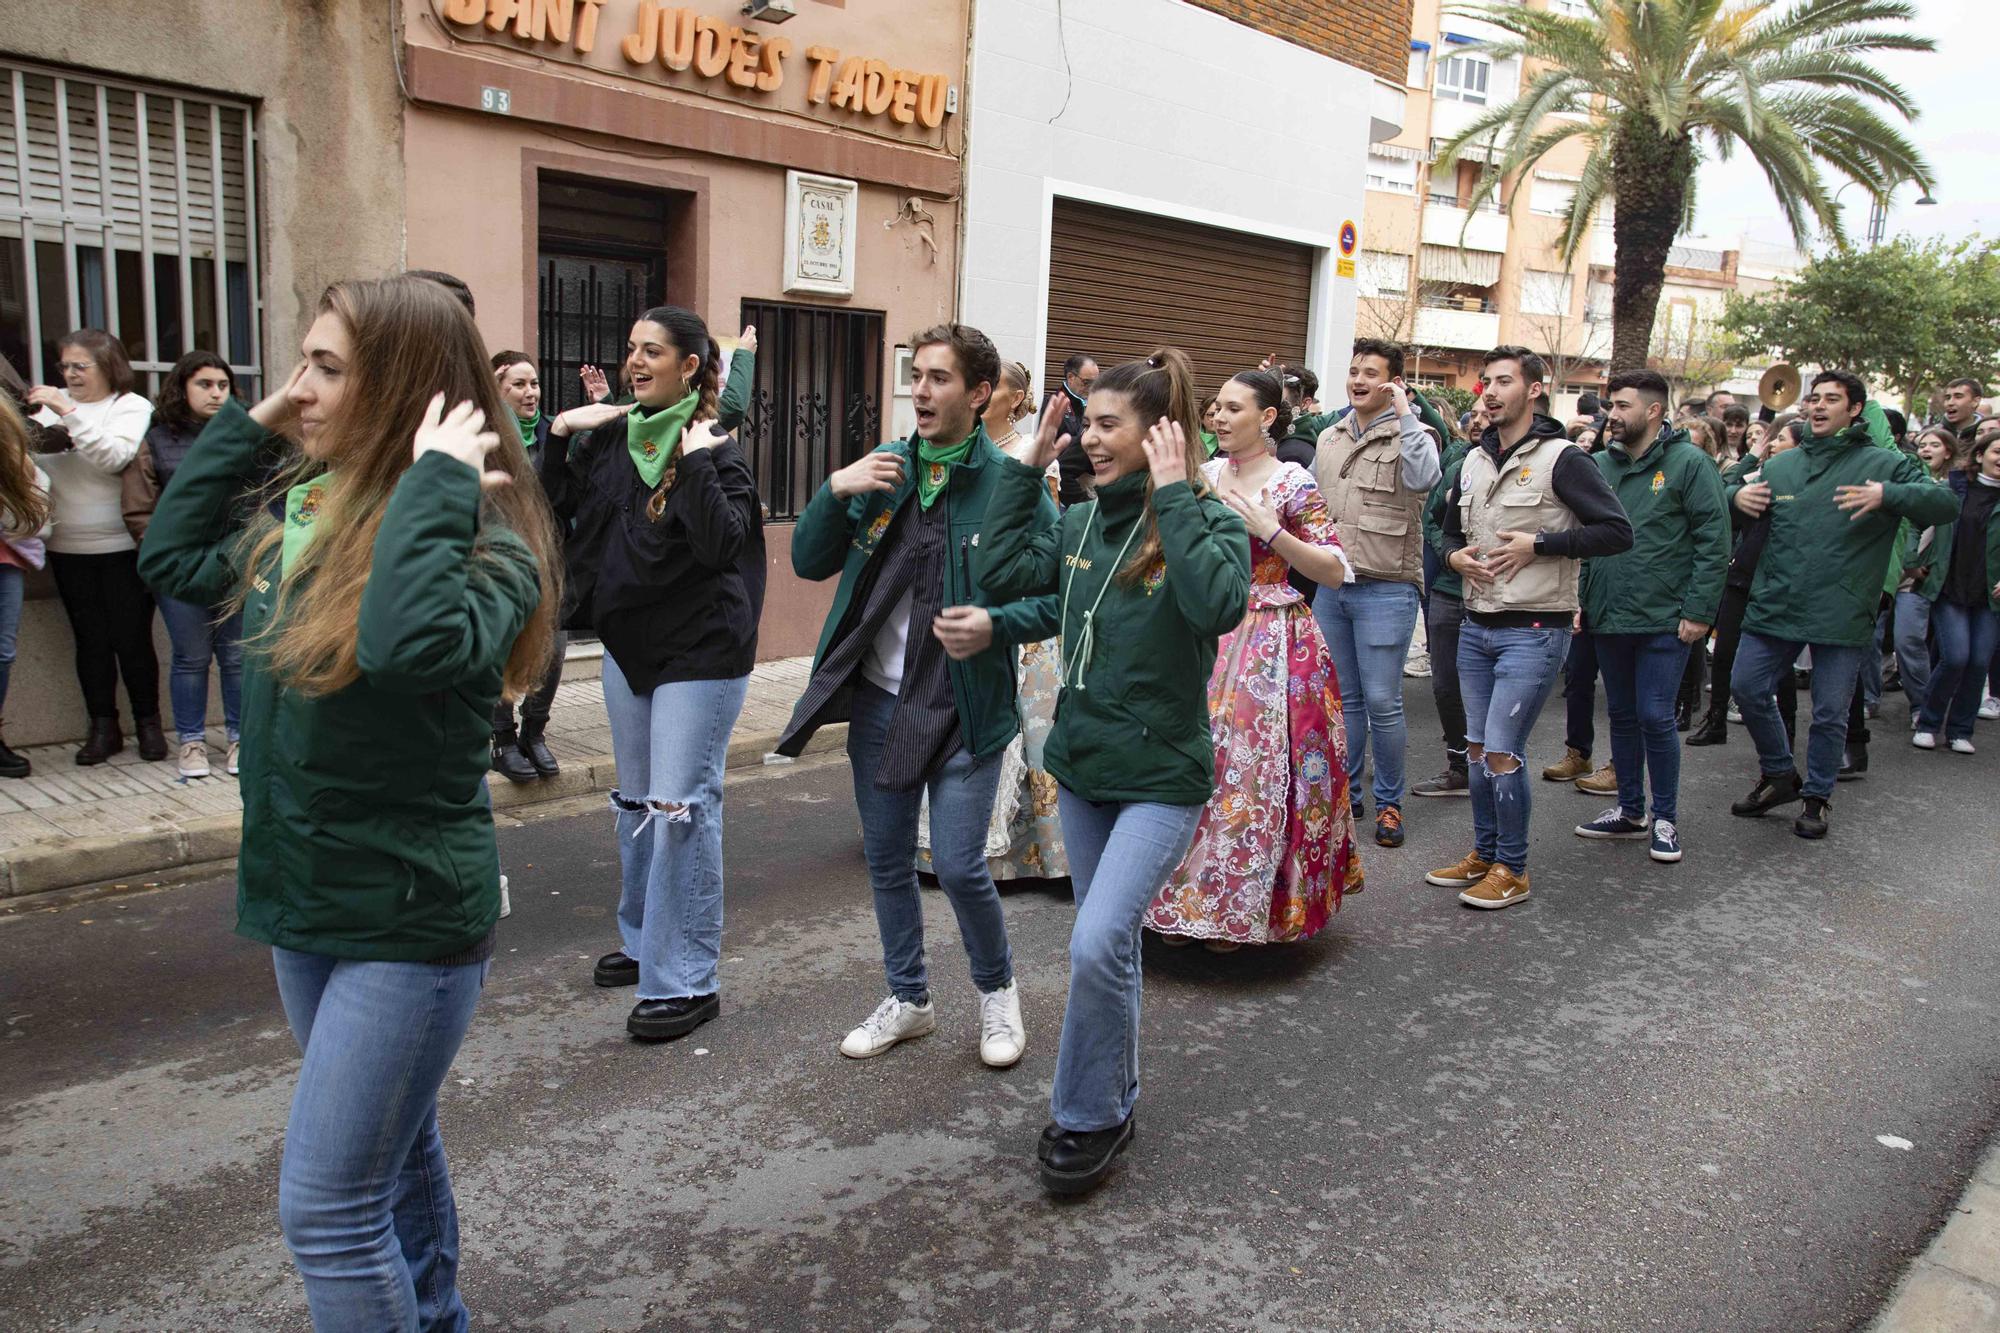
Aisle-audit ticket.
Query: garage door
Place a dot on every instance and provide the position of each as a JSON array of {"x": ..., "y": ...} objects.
[{"x": 1122, "y": 283}]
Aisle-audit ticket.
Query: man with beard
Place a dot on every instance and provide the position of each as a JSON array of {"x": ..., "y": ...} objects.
[{"x": 1528, "y": 508}]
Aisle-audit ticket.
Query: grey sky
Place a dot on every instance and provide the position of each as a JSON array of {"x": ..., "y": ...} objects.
[{"x": 1957, "y": 88}]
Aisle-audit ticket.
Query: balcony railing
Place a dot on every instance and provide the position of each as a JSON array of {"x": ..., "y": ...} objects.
[{"x": 1476, "y": 304}]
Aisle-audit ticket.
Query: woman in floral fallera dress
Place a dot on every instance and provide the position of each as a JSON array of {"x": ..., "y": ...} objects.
[{"x": 1274, "y": 851}]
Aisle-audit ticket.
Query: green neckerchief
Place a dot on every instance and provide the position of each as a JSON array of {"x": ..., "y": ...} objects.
[
  {"x": 301, "y": 514},
  {"x": 528, "y": 426},
  {"x": 655, "y": 438},
  {"x": 939, "y": 460},
  {"x": 1209, "y": 443}
]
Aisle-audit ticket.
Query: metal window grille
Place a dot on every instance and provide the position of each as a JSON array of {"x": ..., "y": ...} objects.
[
  {"x": 131, "y": 209},
  {"x": 585, "y": 314},
  {"x": 817, "y": 402}
]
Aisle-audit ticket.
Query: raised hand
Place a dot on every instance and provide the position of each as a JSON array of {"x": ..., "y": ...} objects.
[
  {"x": 1166, "y": 452},
  {"x": 595, "y": 386},
  {"x": 586, "y": 418},
  {"x": 702, "y": 435},
  {"x": 461, "y": 434},
  {"x": 276, "y": 413},
  {"x": 748, "y": 342},
  {"x": 878, "y": 471},
  {"x": 58, "y": 402},
  {"x": 1049, "y": 440}
]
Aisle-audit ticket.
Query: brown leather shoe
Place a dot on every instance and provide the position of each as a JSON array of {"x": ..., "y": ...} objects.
[
  {"x": 1460, "y": 874},
  {"x": 1604, "y": 782},
  {"x": 1501, "y": 888},
  {"x": 1573, "y": 765},
  {"x": 1389, "y": 827}
]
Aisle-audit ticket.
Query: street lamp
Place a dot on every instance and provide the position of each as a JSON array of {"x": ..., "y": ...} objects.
[{"x": 1878, "y": 211}]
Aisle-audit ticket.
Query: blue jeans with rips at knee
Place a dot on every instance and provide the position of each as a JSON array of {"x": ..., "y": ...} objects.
[
  {"x": 671, "y": 746},
  {"x": 1505, "y": 675}
]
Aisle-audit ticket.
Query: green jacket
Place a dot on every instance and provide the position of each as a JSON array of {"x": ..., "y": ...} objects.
[
  {"x": 1448, "y": 580},
  {"x": 1936, "y": 560},
  {"x": 734, "y": 401},
  {"x": 1680, "y": 541},
  {"x": 837, "y": 536},
  {"x": 1820, "y": 578},
  {"x": 367, "y": 832},
  {"x": 1132, "y": 720}
]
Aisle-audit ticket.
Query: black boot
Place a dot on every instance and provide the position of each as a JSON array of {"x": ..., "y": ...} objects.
[
  {"x": 1684, "y": 715},
  {"x": 101, "y": 743},
  {"x": 1714, "y": 728},
  {"x": 508, "y": 761},
  {"x": 152, "y": 741},
  {"x": 1771, "y": 791},
  {"x": 1812, "y": 822},
  {"x": 1074, "y": 1162},
  {"x": 537, "y": 749},
  {"x": 663, "y": 1020},
  {"x": 13, "y": 765},
  {"x": 1853, "y": 762}
]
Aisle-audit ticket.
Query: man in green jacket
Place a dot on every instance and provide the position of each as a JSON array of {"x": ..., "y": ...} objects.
[
  {"x": 1647, "y": 604},
  {"x": 1834, "y": 502},
  {"x": 920, "y": 665}
]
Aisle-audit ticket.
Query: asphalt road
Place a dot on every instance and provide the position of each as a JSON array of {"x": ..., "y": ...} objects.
[{"x": 1648, "y": 1098}]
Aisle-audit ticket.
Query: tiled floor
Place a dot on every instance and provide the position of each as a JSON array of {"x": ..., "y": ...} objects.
[{"x": 63, "y": 801}]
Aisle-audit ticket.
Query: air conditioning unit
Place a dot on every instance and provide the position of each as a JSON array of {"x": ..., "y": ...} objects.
[{"x": 768, "y": 11}]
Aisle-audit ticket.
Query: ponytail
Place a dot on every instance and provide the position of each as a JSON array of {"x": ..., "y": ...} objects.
[{"x": 1160, "y": 386}]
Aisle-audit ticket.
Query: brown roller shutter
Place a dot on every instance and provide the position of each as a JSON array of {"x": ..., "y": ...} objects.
[{"x": 1122, "y": 283}]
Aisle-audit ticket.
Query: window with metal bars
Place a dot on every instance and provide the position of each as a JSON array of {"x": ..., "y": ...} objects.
[
  {"x": 130, "y": 209},
  {"x": 817, "y": 402}
]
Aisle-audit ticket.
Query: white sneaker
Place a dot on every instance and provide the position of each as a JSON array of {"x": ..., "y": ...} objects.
[
  {"x": 1002, "y": 1038},
  {"x": 235, "y": 757},
  {"x": 894, "y": 1020},
  {"x": 1924, "y": 740},
  {"x": 194, "y": 759},
  {"x": 1961, "y": 746},
  {"x": 1989, "y": 708},
  {"x": 1735, "y": 715},
  {"x": 506, "y": 906}
]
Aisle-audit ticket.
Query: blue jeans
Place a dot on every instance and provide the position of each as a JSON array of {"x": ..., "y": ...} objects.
[
  {"x": 1913, "y": 650},
  {"x": 1119, "y": 857},
  {"x": 1642, "y": 678},
  {"x": 1835, "y": 669},
  {"x": 1965, "y": 638},
  {"x": 670, "y": 747},
  {"x": 962, "y": 792},
  {"x": 1868, "y": 680},
  {"x": 1368, "y": 624},
  {"x": 1505, "y": 676},
  {"x": 363, "y": 1194},
  {"x": 12, "y": 582},
  {"x": 196, "y": 637}
]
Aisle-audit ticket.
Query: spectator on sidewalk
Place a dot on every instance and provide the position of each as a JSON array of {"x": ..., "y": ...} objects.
[
  {"x": 1078, "y": 374},
  {"x": 404, "y": 587},
  {"x": 24, "y": 525},
  {"x": 194, "y": 391},
  {"x": 1834, "y": 503},
  {"x": 93, "y": 557},
  {"x": 522, "y": 754},
  {"x": 666, "y": 564},
  {"x": 1375, "y": 467}
]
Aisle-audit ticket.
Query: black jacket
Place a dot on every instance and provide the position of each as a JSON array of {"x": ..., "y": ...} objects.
[
  {"x": 1072, "y": 463},
  {"x": 674, "y": 596}
]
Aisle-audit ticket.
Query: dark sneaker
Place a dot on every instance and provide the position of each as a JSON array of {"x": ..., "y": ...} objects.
[
  {"x": 1389, "y": 827},
  {"x": 663, "y": 1020},
  {"x": 1666, "y": 842},
  {"x": 1451, "y": 782},
  {"x": 1772, "y": 790},
  {"x": 1615, "y": 823},
  {"x": 1355, "y": 805},
  {"x": 1812, "y": 823}
]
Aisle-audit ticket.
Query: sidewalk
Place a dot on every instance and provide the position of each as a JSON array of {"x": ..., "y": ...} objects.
[
  {"x": 128, "y": 819},
  {"x": 1954, "y": 1286}
]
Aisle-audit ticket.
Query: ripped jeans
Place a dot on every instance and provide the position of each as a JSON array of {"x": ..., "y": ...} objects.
[
  {"x": 1505, "y": 675},
  {"x": 670, "y": 746}
]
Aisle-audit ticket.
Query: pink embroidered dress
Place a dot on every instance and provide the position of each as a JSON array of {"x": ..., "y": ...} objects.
[{"x": 1274, "y": 851}]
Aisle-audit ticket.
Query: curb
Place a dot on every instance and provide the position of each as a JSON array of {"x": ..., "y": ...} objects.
[
  {"x": 67, "y": 863},
  {"x": 1954, "y": 1286}
]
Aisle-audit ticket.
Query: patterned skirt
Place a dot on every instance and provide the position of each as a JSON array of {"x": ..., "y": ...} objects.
[{"x": 1274, "y": 851}]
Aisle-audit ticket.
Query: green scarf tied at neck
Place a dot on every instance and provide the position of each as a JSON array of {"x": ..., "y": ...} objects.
[
  {"x": 938, "y": 461},
  {"x": 655, "y": 439},
  {"x": 527, "y": 427}
]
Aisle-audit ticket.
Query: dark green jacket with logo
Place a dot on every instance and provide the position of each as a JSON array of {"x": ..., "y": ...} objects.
[
  {"x": 1448, "y": 581},
  {"x": 1820, "y": 578},
  {"x": 367, "y": 832},
  {"x": 1680, "y": 541},
  {"x": 1132, "y": 720},
  {"x": 836, "y": 536}
]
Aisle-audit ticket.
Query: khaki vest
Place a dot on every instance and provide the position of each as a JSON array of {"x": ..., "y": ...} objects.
[
  {"x": 1518, "y": 496},
  {"x": 1380, "y": 520}
]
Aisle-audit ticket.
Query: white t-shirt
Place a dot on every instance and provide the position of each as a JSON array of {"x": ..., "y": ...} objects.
[{"x": 883, "y": 665}]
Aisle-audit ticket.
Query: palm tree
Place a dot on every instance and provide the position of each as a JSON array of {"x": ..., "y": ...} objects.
[{"x": 1652, "y": 87}]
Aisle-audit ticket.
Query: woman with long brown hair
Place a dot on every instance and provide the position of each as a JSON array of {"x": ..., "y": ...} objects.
[
  {"x": 24, "y": 522},
  {"x": 394, "y": 587}
]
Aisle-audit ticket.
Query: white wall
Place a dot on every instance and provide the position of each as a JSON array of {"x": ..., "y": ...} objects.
[{"x": 1164, "y": 108}]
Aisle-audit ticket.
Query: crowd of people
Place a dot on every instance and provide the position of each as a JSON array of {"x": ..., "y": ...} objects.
[{"x": 1148, "y": 638}]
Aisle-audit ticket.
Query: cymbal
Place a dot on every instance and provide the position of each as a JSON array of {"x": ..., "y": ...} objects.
[{"x": 1779, "y": 388}]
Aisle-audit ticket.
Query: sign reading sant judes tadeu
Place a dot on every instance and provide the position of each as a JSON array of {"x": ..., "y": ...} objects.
[{"x": 680, "y": 40}]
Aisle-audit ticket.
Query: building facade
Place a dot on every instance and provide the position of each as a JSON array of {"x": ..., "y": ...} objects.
[
  {"x": 1156, "y": 171},
  {"x": 193, "y": 177}
]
